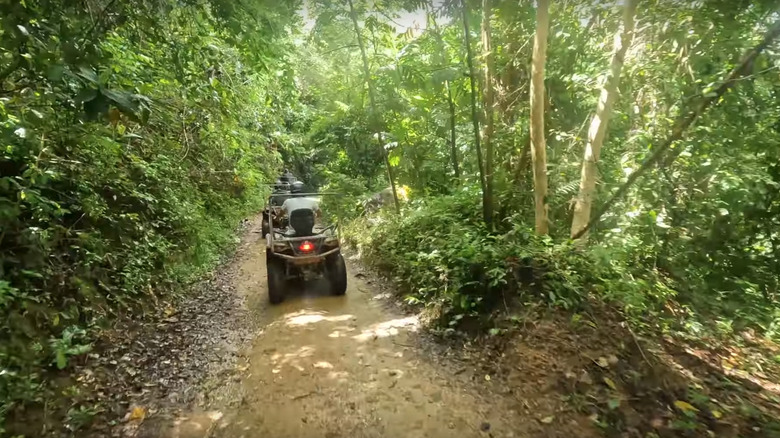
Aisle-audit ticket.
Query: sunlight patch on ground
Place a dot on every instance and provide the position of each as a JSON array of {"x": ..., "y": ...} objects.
[
  {"x": 388, "y": 328},
  {"x": 305, "y": 317},
  {"x": 339, "y": 376},
  {"x": 730, "y": 368},
  {"x": 341, "y": 332},
  {"x": 293, "y": 359},
  {"x": 382, "y": 296}
]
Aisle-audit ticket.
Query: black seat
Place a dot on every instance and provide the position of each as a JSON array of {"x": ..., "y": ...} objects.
[{"x": 302, "y": 221}]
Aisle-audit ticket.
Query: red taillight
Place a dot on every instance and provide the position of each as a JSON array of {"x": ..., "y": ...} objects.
[{"x": 306, "y": 246}]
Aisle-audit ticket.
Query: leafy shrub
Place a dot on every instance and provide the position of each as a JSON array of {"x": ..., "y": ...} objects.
[
  {"x": 441, "y": 254},
  {"x": 120, "y": 180}
]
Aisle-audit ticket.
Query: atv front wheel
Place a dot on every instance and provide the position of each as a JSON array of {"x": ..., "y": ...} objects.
[
  {"x": 337, "y": 274},
  {"x": 276, "y": 281}
]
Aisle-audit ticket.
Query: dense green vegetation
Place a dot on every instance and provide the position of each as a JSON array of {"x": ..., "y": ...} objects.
[
  {"x": 137, "y": 135},
  {"x": 696, "y": 235}
]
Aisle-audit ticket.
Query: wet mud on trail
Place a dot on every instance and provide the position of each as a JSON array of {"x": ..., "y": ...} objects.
[{"x": 350, "y": 366}]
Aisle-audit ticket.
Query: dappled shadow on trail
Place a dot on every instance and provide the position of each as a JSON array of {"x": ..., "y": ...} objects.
[
  {"x": 354, "y": 366},
  {"x": 324, "y": 366}
]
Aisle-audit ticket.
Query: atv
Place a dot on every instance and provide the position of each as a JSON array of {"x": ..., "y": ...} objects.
[
  {"x": 303, "y": 250},
  {"x": 271, "y": 209}
]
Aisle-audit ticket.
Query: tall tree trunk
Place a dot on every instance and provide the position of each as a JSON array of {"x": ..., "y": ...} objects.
[
  {"x": 473, "y": 82},
  {"x": 600, "y": 121},
  {"x": 489, "y": 104},
  {"x": 684, "y": 121},
  {"x": 450, "y": 102},
  {"x": 453, "y": 136},
  {"x": 376, "y": 118},
  {"x": 538, "y": 142}
]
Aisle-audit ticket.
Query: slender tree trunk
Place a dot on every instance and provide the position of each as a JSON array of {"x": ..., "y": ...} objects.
[
  {"x": 473, "y": 82},
  {"x": 376, "y": 118},
  {"x": 538, "y": 141},
  {"x": 450, "y": 102},
  {"x": 600, "y": 121},
  {"x": 453, "y": 136},
  {"x": 489, "y": 110},
  {"x": 684, "y": 121}
]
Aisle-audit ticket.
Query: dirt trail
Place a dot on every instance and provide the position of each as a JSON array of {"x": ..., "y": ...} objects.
[
  {"x": 355, "y": 366},
  {"x": 323, "y": 366}
]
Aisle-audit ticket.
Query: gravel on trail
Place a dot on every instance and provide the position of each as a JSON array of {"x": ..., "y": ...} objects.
[{"x": 153, "y": 367}]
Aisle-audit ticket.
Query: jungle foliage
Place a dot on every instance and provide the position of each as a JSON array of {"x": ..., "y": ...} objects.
[
  {"x": 614, "y": 160},
  {"x": 137, "y": 134},
  {"x": 135, "y": 138},
  {"x": 694, "y": 236}
]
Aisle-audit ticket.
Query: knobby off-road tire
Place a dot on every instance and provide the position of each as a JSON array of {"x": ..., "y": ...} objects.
[
  {"x": 266, "y": 227},
  {"x": 337, "y": 274},
  {"x": 277, "y": 282}
]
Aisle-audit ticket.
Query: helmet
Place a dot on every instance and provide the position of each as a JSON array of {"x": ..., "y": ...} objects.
[
  {"x": 287, "y": 177},
  {"x": 296, "y": 187}
]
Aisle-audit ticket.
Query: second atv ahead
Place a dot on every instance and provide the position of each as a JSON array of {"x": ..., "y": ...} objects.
[
  {"x": 281, "y": 192},
  {"x": 305, "y": 250}
]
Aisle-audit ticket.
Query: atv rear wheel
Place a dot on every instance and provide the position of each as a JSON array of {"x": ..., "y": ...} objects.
[
  {"x": 337, "y": 274},
  {"x": 277, "y": 283},
  {"x": 266, "y": 227}
]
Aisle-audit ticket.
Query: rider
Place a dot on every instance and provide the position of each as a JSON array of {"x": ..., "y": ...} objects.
[
  {"x": 300, "y": 202},
  {"x": 280, "y": 193},
  {"x": 287, "y": 177}
]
